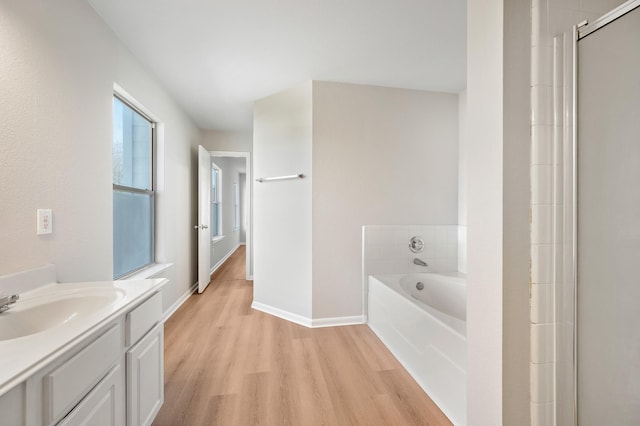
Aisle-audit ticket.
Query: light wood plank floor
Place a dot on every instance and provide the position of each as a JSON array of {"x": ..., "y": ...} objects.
[{"x": 227, "y": 364}]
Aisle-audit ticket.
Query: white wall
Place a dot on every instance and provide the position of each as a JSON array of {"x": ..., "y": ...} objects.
[
  {"x": 282, "y": 209},
  {"x": 516, "y": 195},
  {"x": 484, "y": 210},
  {"x": 497, "y": 212},
  {"x": 217, "y": 140},
  {"x": 381, "y": 156},
  {"x": 462, "y": 181},
  {"x": 230, "y": 168},
  {"x": 58, "y": 63}
]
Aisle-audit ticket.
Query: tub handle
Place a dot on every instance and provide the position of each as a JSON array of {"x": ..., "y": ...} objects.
[{"x": 416, "y": 244}]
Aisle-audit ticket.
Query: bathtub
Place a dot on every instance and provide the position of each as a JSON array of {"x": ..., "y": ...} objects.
[{"x": 426, "y": 331}]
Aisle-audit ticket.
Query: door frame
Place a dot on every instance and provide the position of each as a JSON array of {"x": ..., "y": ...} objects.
[
  {"x": 249, "y": 207},
  {"x": 204, "y": 218}
]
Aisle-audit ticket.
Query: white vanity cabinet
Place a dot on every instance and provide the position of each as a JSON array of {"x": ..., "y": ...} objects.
[
  {"x": 87, "y": 381},
  {"x": 145, "y": 362},
  {"x": 113, "y": 376}
]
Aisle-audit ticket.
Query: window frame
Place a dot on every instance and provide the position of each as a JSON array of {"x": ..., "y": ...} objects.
[
  {"x": 236, "y": 205},
  {"x": 216, "y": 202},
  {"x": 120, "y": 95}
]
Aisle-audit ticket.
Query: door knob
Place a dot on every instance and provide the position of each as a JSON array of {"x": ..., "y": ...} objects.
[{"x": 201, "y": 227}]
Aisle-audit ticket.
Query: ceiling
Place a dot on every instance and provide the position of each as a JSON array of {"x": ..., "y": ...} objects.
[{"x": 217, "y": 57}]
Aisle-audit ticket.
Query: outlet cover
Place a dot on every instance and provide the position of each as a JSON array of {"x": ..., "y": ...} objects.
[{"x": 45, "y": 221}]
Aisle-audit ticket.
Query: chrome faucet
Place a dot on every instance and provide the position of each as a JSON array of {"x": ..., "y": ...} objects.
[
  {"x": 6, "y": 300},
  {"x": 420, "y": 262}
]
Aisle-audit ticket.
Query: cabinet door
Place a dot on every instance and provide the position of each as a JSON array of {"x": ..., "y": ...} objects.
[
  {"x": 12, "y": 406},
  {"x": 103, "y": 406},
  {"x": 69, "y": 382},
  {"x": 145, "y": 378}
]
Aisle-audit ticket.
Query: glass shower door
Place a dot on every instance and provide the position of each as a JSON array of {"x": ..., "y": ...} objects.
[{"x": 608, "y": 224}]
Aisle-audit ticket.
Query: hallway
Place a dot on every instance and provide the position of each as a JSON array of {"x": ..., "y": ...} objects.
[{"x": 227, "y": 364}]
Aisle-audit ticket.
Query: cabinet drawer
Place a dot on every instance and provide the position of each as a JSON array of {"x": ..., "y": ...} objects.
[
  {"x": 143, "y": 318},
  {"x": 104, "y": 405},
  {"x": 67, "y": 384}
]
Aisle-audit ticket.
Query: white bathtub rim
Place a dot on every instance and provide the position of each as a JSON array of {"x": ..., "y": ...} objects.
[
  {"x": 452, "y": 301},
  {"x": 391, "y": 281}
]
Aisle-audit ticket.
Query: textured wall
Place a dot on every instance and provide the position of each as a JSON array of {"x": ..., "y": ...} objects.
[
  {"x": 58, "y": 65},
  {"x": 381, "y": 156}
]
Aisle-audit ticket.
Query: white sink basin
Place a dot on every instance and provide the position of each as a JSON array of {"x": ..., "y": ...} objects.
[{"x": 43, "y": 313}]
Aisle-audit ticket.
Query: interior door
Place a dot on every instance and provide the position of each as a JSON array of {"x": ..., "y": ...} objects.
[
  {"x": 204, "y": 218},
  {"x": 608, "y": 284}
]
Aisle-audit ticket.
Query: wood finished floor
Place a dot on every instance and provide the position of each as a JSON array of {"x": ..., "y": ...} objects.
[{"x": 227, "y": 364}]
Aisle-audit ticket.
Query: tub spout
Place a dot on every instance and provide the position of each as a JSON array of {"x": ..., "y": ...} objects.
[
  {"x": 420, "y": 262},
  {"x": 6, "y": 301}
]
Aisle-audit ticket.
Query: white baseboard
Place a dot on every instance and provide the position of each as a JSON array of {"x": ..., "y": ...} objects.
[
  {"x": 307, "y": 322},
  {"x": 226, "y": 256},
  {"x": 337, "y": 321},
  {"x": 176, "y": 305},
  {"x": 286, "y": 315}
]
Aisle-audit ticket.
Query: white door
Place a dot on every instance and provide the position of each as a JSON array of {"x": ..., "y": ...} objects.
[{"x": 204, "y": 218}]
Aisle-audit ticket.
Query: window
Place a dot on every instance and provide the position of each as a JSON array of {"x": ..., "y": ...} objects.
[
  {"x": 133, "y": 196},
  {"x": 216, "y": 202}
]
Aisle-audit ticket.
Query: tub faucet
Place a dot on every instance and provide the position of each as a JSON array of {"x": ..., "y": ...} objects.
[
  {"x": 420, "y": 262},
  {"x": 6, "y": 300}
]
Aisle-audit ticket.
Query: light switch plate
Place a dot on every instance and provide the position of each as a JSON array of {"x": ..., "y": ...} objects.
[{"x": 45, "y": 221}]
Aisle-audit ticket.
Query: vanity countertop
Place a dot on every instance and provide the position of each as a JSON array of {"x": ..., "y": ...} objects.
[{"x": 67, "y": 313}]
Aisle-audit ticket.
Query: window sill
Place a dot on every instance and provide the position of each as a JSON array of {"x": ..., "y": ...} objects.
[
  {"x": 150, "y": 271},
  {"x": 217, "y": 239}
]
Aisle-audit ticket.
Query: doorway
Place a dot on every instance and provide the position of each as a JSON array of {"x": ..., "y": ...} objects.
[
  {"x": 224, "y": 210},
  {"x": 237, "y": 204}
]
